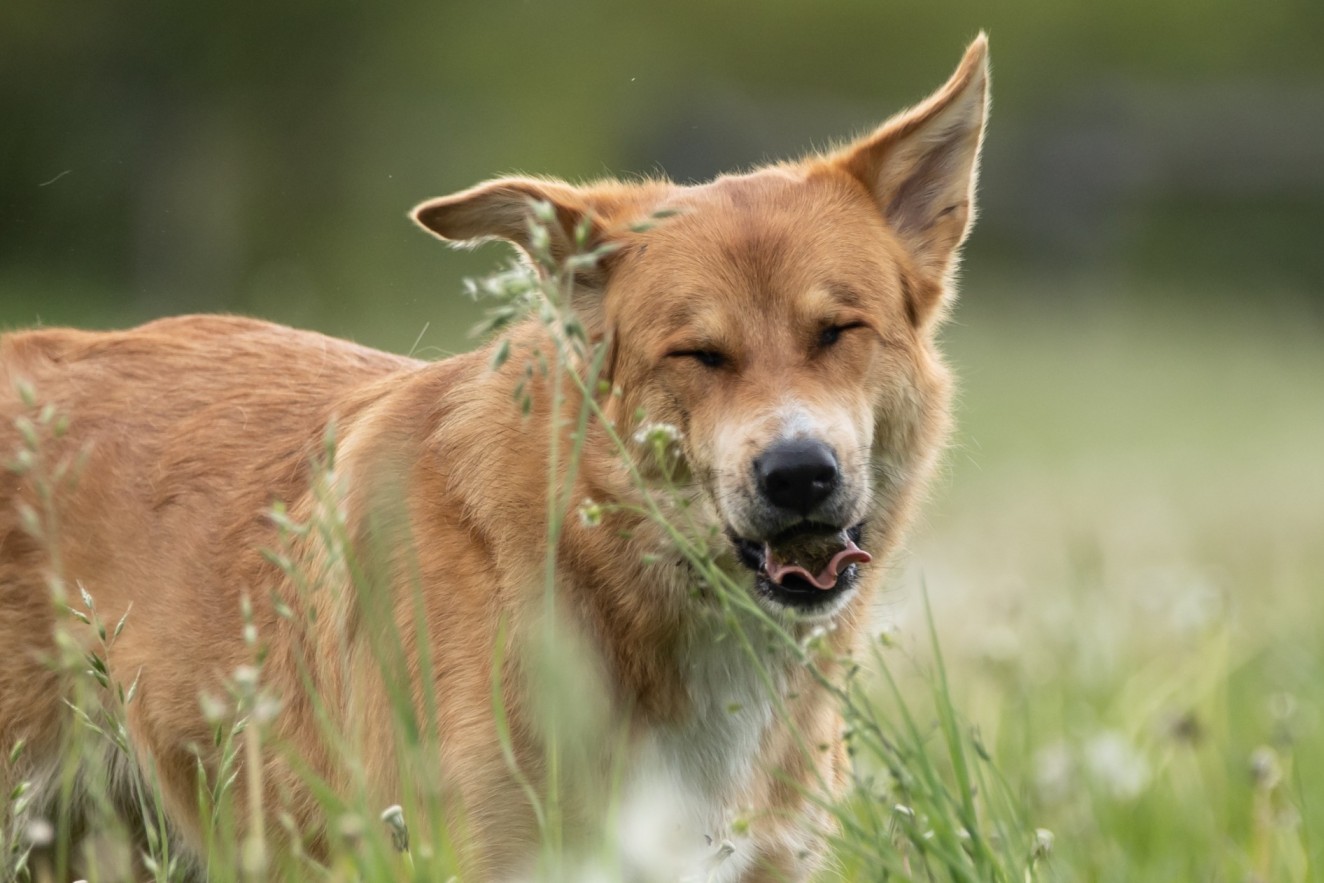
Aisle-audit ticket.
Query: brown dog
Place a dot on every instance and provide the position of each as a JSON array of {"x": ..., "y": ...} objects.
[{"x": 780, "y": 323}]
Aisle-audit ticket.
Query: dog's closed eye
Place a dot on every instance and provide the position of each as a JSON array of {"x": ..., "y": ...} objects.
[
  {"x": 830, "y": 335},
  {"x": 706, "y": 358}
]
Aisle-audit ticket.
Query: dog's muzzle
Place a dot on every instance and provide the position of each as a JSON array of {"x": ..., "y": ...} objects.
[{"x": 796, "y": 534}]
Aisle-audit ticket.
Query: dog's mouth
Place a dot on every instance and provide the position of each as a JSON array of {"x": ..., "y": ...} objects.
[{"x": 805, "y": 565}]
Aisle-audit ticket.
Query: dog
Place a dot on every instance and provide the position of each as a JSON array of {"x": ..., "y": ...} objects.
[{"x": 774, "y": 331}]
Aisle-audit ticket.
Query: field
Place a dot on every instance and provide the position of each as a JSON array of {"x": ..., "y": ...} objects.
[
  {"x": 1100, "y": 655},
  {"x": 1123, "y": 562}
]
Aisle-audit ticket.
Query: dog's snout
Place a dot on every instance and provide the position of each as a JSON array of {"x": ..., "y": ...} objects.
[{"x": 797, "y": 475}]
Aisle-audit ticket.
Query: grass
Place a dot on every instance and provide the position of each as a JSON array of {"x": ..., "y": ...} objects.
[
  {"x": 1125, "y": 565},
  {"x": 1122, "y": 568}
]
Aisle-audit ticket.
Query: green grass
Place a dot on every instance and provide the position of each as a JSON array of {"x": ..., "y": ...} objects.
[{"x": 1124, "y": 562}]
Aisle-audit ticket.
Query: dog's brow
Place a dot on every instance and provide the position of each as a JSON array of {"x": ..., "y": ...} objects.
[
  {"x": 845, "y": 295},
  {"x": 681, "y": 314}
]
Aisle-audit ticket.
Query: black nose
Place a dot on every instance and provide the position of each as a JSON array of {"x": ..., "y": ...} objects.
[{"x": 797, "y": 474}]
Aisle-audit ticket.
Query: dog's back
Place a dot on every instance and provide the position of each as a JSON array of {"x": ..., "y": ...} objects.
[{"x": 179, "y": 435}]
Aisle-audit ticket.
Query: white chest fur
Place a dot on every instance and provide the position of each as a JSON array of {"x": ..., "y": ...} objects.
[{"x": 688, "y": 790}]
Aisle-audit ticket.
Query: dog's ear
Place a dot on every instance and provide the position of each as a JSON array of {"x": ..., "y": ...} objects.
[
  {"x": 921, "y": 167},
  {"x": 504, "y": 209}
]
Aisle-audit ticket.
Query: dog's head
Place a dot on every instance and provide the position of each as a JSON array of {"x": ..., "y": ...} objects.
[{"x": 783, "y": 322}]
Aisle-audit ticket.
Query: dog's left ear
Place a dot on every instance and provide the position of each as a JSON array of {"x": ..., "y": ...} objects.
[{"x": 921, "y": 166}]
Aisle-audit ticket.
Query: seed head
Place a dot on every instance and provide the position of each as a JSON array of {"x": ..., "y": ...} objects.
[
  {"x": 394, "y": 818},
  {"x": 40, "y": 833},
  {"x": 590, "y": 513},
  {"x": 1043, "y": 844},
  {"x": 657, "y": 434}
]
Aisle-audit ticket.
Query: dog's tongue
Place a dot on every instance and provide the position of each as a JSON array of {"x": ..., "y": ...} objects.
[{"x": 847, "y": 553}]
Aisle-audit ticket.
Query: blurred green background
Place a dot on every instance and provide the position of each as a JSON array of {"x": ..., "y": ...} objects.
[
  {"x": 1126, "y": 550},
  {"x": 259, "y": 157}
]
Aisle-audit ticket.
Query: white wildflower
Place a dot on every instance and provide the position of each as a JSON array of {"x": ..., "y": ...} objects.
[
  {"x": 1117, "y": 765},
  {"x": 1053, "y": 772}
]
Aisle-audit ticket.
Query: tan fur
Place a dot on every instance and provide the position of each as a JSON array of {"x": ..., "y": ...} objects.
[{"x": 194, "y": 427}]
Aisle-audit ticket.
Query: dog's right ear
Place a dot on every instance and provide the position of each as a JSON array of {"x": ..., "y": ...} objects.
[{"x": 503, "y": 209}]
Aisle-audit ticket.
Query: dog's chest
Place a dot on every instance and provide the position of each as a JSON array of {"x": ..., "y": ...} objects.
[{"x": 689, "y": 788}]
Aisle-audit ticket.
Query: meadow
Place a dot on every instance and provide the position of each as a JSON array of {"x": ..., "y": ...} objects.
[
  {"x": 1121, "y": 564},
  {"x": 1122, "y": 558},
  {"x": 1125, "y": 563}
]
